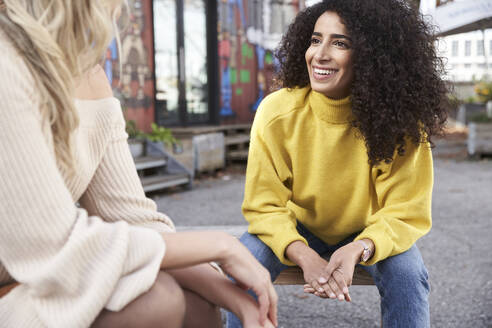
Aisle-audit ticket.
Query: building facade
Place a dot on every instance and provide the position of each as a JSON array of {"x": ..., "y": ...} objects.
[
  {"x": 468, "y": 55},
  {"x": 197, "y": 62}
]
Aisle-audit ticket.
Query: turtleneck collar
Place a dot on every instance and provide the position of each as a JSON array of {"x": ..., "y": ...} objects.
[{"x": 337, "y": 111}]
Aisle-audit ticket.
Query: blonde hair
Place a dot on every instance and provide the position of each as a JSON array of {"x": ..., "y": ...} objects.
[{"x": 60, "y": 41}]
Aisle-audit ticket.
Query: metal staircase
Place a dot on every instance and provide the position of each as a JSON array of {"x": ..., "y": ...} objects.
[{"x": 158, "y": 169}]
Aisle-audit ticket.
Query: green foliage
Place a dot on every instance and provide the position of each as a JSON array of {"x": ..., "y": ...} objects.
[
  {"x": 480, "y": 118},
  {"x": 158, "y": 134},
  {"x": 483, "y": 90},
  {"x": 470, "y": 100},
  {"x": 133, "y": 131},
  {"x": 161, "y": 134}
]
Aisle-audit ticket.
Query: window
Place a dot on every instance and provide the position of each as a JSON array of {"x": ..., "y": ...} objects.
[
  {"x": 468, "y": 48},
  {"x": 480, "y": 49},
  {"x": 490, "y": 48},
  {"x": 467, "y": 65},
  {"x": 455, "y": 48},
  {"x": 481, "y": 66}
]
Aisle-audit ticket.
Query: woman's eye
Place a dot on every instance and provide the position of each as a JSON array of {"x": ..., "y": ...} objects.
[
  {"x": 341, "y": 44},
  {"x": 315, "y": 41}
]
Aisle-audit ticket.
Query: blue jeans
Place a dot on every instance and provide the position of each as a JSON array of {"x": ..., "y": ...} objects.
[{"x": 402, "y": 280}]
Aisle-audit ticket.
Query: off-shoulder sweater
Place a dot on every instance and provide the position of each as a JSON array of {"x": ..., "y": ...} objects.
[{"x": 71, "y": 260}]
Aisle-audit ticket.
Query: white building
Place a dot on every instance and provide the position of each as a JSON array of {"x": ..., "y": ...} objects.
[{"x": 468, "y": 57}]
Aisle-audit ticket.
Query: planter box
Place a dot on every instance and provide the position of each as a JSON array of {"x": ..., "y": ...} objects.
[
  {"x": 209, "y": 151},
  {"x": 137, "y": 147},
  {"x": 479, "y": 139}
]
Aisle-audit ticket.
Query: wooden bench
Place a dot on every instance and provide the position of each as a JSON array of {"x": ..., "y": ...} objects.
[{"x": 291, "y": 275}]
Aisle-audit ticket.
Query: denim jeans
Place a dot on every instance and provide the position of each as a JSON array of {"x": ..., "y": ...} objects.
[{"x": 402, "y": 280}]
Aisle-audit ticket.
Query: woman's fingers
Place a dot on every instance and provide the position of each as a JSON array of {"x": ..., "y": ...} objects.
[
  {"x": 264, "y": 307},
  {"x": 308, "y": 289},
  {"x": 267, "y": 299},
  {"x": 317, "y": 287},
  {"x": 269, "y": 324},
  {"x": 322, "y": 295},
  {"x": 273, "y": 306},
  {"x": 334, "y": 288},
  {"x": 341, "y": 284}
]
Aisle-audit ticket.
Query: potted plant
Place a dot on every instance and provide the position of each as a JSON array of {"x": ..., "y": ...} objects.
[
  {"x": 480, "y": 127},
  {"x": 162, "y": 138},
  {"x": 483, "y": 90},
  {"x": 136, "y": 139}
]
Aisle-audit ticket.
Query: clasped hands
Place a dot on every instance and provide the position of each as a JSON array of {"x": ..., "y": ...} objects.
[{"x": 331, "y": 279}]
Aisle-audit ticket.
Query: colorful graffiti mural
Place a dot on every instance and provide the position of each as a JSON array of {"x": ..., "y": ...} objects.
[
  {"x": 134, "y": 84},
  {"x": 249, "y": 31}
]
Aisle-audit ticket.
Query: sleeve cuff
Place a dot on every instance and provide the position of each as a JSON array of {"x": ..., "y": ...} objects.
[
  {"x": 279, "y": 241},
  {"x": 383, "y": 244}
]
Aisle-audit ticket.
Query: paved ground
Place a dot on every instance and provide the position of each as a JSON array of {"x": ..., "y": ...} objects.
[{"x": 458, "y": 250}]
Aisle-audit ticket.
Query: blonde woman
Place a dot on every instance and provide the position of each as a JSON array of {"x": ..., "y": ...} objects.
[{"x": 113, "y": 261}]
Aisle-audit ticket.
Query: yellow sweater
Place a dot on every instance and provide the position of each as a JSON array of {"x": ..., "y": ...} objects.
[{"x": 306, "y": 162}]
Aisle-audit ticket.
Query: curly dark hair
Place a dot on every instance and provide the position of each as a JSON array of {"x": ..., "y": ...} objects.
[{"x": 398, "y": 94}]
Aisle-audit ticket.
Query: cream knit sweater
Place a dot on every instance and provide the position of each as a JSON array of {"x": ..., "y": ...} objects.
[{"x": 71, "y": 261}]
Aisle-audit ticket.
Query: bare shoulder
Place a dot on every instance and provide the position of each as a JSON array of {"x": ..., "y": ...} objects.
[{"x": 94, "y": 85}]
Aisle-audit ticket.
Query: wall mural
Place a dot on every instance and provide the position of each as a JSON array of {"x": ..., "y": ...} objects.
[
  {"x": 249, "y": 31},
  {"x": 134, "y": 86}
]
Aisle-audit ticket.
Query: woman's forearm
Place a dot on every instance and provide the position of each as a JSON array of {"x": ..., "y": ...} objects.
[
  {"x": 186, "y": 249},
  {"x": 300, "y": 253},
  {"x": 204, "y": 280},
  {"x": 190, "y": 248}
]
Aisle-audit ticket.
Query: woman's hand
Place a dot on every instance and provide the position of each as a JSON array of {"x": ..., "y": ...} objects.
[
  {"x": 338, "y": 274},
  {"x": 240, "y": 264},
  {"x": 215, "y": 287},
  {"x": 313, "y": 268},
  {"x": 184, "y": 249},
  {"x": 248, "y": 312},
  {"x": 93, "y": 85}
]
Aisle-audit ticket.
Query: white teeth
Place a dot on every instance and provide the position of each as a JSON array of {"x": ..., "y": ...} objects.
[{"x": 324, "y": 71}]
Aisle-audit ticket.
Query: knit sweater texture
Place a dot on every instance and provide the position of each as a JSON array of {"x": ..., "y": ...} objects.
[
  {"x": 71, "y": 261},
  {"x": 307, "y": 163}
]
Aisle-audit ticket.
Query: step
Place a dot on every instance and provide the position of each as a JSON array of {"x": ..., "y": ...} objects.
[
  {"x": 237, "y": 154},
  {"x": 236, "y": 139},
  {"x": 152, "y": 183},
  {"x": 147, "y": 162},
  {"x": 226, "y": 129},
  {"x": 291, "y": 275}
]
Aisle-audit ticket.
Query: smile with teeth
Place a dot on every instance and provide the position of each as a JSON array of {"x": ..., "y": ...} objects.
[{"x": 324, "y": 71}]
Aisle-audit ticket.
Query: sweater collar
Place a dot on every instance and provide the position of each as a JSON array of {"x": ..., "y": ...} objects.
[{"x": 336, "y": 111}]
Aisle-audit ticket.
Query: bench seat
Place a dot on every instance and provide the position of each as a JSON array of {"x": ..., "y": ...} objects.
[{"x": 291, "y": 275}]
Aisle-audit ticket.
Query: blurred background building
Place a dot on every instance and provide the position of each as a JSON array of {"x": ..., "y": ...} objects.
[
  {"x": 465, "y": 42},
  {"x": 197, "y": 62}
]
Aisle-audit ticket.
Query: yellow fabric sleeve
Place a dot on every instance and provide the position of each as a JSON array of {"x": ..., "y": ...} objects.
[
  {"x": 267, "y": 193},
  {"x": 404, "y": 193}
]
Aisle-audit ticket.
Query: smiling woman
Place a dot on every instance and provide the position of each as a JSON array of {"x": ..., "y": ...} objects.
[
  {"x": 340, "y": 157},
  {"x": 329, "y": 57}
]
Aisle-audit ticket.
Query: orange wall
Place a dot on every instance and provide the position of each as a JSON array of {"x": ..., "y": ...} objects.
[
  {"x": 243, "y": 75},
  {"x": 134, "y": 86}
]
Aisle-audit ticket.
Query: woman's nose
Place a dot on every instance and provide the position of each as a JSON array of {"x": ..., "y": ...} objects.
[{"x": 322, "y": 53}]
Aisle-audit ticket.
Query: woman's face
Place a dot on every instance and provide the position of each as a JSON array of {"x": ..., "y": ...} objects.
[{"x": 329, "y": 57}]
